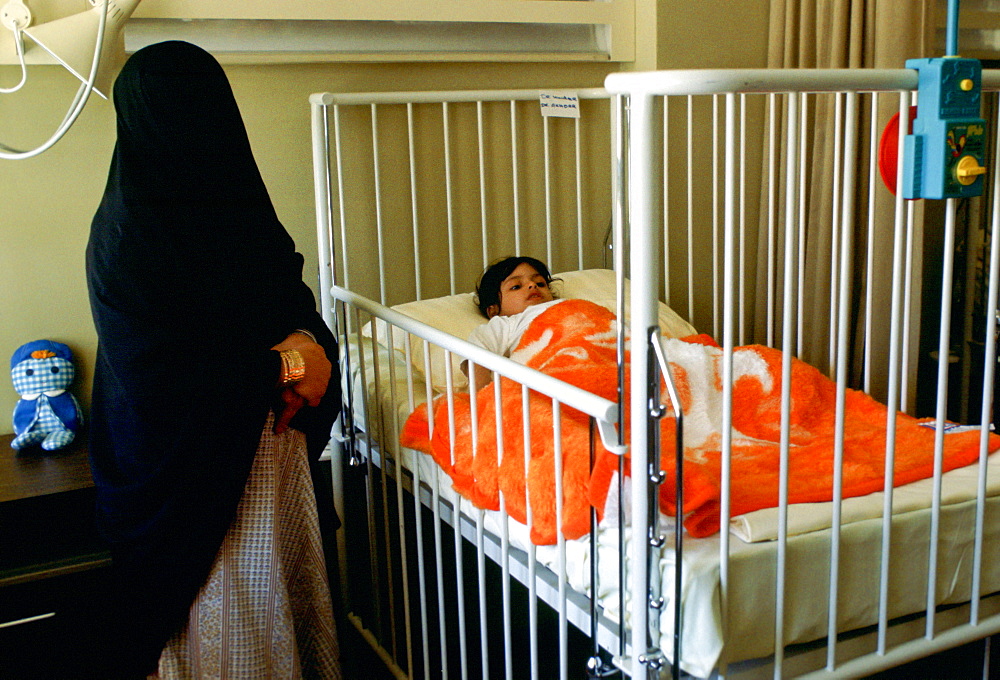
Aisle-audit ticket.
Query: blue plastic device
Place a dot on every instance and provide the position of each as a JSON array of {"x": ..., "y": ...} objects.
[{"x": 944, "y": 156}]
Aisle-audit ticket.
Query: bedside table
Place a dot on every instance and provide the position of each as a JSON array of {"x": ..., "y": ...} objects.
[{"x": 53, "y": 565}]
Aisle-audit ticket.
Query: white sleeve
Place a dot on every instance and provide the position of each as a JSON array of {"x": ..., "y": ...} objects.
[{"x": 492, "y": 336}]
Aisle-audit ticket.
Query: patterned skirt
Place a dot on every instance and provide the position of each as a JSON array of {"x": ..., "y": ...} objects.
[{"x": 265, "y": 611}]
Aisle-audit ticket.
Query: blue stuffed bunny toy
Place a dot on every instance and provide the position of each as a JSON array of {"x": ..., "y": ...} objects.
[{"x": 46, "y": 414}]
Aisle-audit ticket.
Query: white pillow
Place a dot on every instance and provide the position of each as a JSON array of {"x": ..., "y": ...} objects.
[
  {"x": 598, "y": 286},
  {"x": 459, "y": 316}
]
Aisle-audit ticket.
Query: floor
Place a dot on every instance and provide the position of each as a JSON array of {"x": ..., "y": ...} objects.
[{"x": 961, "y": 663}]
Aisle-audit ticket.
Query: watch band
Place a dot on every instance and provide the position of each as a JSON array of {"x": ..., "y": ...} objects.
[{"x": 293, "y": 367}]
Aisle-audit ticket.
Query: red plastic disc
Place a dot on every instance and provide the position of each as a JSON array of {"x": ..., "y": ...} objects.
[{"x": 888, "y": 149}]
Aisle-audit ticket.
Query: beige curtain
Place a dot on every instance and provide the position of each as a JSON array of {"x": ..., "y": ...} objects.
[
  {"x": 844, "y": 34},
  {"x": 849, "y": 33}
]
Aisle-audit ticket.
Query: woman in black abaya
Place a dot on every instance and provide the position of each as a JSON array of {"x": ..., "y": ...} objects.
[{"x": 212, "y": 393}]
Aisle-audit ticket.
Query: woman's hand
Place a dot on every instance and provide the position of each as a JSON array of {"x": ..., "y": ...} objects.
[{"x": 313, "y": 386}]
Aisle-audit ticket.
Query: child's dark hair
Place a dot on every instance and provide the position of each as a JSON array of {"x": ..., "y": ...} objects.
[{"x": 488, "y": 288}]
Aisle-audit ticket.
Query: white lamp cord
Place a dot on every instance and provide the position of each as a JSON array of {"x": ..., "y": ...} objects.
[
  {"x": 19, "y": 44},
  {"x": 79, "y": 101}
]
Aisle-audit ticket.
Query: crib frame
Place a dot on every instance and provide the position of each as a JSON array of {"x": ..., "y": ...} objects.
[
  {"x": 638, "y": 199},
  {"x": 641, "y": 89},
  {"x": 605, "y": 415}
]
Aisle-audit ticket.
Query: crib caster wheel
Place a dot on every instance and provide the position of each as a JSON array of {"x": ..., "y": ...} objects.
[{"x": 599, "y": 668}]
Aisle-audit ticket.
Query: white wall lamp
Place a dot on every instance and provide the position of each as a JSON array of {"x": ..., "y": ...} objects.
[{"x": 87, "y": 43}]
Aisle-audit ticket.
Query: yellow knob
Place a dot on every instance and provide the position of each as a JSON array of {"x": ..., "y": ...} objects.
[
  {"x": 966, "y": 84},
  {"x": 967, "y": 169}
]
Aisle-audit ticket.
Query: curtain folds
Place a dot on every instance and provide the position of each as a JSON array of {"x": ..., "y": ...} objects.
[{"x": 841, "y": 34}]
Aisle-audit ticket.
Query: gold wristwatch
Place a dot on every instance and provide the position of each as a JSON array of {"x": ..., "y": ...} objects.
[{"x": 293, "y": 367}]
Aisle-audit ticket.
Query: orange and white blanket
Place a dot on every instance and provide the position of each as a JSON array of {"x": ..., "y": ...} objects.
[{"x": 575, "y": 342}]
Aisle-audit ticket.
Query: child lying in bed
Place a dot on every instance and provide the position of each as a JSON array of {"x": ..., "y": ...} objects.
[{"x": 511, "y": 293}]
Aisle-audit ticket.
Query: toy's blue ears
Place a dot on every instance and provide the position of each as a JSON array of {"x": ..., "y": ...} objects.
[{"x": 39, "y": 349}]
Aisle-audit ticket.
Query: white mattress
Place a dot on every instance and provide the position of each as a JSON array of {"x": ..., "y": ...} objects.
[{"x": 747, "y": 631}]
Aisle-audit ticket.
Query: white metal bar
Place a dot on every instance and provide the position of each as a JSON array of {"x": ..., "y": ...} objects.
[
  {"x": 944, "y": 350},
  {"x": 741, "y": 211},
  {"x": 718, "y": 81},
  {"x": 436, "y": 529},
  {"x": 457, "y": 534},
  {"x": 508, "y": 641},
  {"x": 428, "y": 387},
  {"x": 449, "y": 200},
  {"x": 480, "y": 528},
  {"x": 516, "y": 193},
  {"x": 547, "y": 157},
  {"x": 873, "y": 143},
  {"x": 794, "y": 139},
  {"x": 321, "y": 187},
  {"x": 893, "y": 386},
  {"x": 400, "y": 513},
  {"x": 842, "y": 350},
  {"x": 835, "y": 198},
  {"x": 666, "y": 200},
  {"x": 482, "y": 183},
  {"x": 439, "y": 96},
  {"x": 439, "y": 563},
  {"x": 803, "y": 219},
  {"x": 418, "y": 515},
  {"x": 728, "y": 339},
  {"x": 390, "y": 585},
  {"x": 772, "y": 211},
  {"x": 529, "y": 518},
  {"x": 341, "y": 203},
  {"x": 715, "y": 217},
  {"x": 414, "y": 206},
  {"x": 908, "y": 281},
  {"x": 484, "y": 647},
  {"x": 322, "y": 181},
  {"x": 369, "y": 476},
  {"x": 645, "y": 263},
  {"x": 377, "y": 163},
  {"x": 505, "y": 565},
  {"x": 619, "y": 195},
  {"x": 579, "y": 195},
  {"x": 989, "y": 369},
  {"x": 560, "y": 539},
  {"x": 690, "y": 206}
]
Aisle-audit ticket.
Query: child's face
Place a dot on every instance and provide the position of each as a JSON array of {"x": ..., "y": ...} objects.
[{"x": 522, "y": 289}]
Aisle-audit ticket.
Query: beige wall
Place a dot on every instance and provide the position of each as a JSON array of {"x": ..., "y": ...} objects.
[
  {"x": 46, "y": 203},
  {"x": 715, "y": 34}
]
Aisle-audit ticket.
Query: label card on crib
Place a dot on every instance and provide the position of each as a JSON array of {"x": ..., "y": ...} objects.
[{"x": 560, "y": 103}]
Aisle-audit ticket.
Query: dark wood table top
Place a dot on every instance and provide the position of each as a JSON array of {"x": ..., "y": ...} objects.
[{"x": 33, "y": 472}]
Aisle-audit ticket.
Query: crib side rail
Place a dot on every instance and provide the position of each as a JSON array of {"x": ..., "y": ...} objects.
[
  {"x": 419, "y": 546},
  {"x": 415, "y": 194},
  {"x": 857, "y": 104},
  {"x": 719, "y": 81},
  {"x": 458, "y": 179},
  {"x": 603, "y": 410}
]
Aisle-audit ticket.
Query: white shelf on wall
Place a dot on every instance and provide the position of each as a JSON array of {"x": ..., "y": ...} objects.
[{"x": 394, "y": 30}]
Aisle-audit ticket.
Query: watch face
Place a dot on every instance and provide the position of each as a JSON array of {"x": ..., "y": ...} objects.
[{"x": 293, "y": 367}]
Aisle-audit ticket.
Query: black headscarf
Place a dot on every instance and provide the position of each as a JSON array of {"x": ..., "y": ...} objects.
[{"x": 192, "y": 280}]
